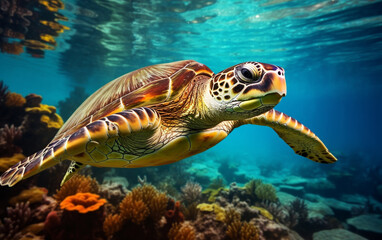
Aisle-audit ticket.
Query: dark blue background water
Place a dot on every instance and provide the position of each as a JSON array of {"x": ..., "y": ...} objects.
[{"x": 331, "y": 51}]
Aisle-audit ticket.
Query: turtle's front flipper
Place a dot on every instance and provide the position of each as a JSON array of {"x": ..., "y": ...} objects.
[
  {"x": 48, "y": 157},
  {"x": 295, "y": 134}
]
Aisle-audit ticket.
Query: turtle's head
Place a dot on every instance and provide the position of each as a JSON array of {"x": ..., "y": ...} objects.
[{"x": 247, "y": 89}]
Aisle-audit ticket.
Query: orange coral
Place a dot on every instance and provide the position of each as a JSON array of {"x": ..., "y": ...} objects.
[
  {"x": 182, "y": 231},
  {"x": 112, "y": 224},
  {"x": 78, "y": 183},
  {"x": 134, "y": 210},
  {"x": 33, "y": 195},
  {"x": 14, "y": 100},
  {"x": 82, "y": 202}
]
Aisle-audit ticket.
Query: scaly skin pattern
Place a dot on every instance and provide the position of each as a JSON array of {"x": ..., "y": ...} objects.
[{"x": 164, "y": 113}]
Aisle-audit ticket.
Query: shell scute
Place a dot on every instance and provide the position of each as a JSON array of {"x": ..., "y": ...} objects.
[{"x": 142, "y": 87}]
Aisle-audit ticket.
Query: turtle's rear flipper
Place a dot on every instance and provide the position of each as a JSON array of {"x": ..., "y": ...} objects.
[
  {"x": 73, "y": 168},
  {"x": 296, "y": 135},
  {"x": 34, "y": 164}
]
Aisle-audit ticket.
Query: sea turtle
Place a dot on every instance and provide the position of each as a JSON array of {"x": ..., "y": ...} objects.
[{"x": 167, "y": 112}]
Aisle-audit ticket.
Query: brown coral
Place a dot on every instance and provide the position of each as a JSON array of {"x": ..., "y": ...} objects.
[
  {"x": 231, "y": 215},
  {"x": 32, "y": 195},
  {"x": 14, "y": 100},
  {"x": 112, "y": 224},
  {"x": 133, "y": 210},
  {"x": 181, "y": 231},
  {"x": 154, "y": 200},
  {"x": 82, "y": 202},
  {"x": 242, "y": 231},
  {"x": 77, "y": 184}
]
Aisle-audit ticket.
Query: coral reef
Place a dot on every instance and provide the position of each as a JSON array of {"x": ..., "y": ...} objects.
[
  {"x": 191, "y": 192},
  {"x": 22, "y": 120},
  {"x": 82, "y": 203},
  {"x": 16, "y": 219},
  {"x": 112, "y": 224},
  {"x": 181, "y": 231},
  {"x": 82, "y": 218},
  {"x": 32, "y": 195},
  {"x": 140, "y": 213},
  {"x": 242, "y": 231},
  {"x": 8, "y": 137},
  {"x": 77, "y": 184},
  {"x": 14, "y": 100},
  {"x": 266, "y": 192}
]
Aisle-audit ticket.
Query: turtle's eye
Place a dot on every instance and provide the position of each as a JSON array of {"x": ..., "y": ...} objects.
[{"x": 248, "y": 73}]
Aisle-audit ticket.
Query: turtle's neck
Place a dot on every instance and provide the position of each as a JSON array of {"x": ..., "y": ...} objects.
[{"x": 190, "y": 110}]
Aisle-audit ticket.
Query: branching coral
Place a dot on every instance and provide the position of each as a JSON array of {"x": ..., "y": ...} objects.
[
  {"x": 77, "y": 184},
  {"x": 191, "y": 192},
  {"x": 297, "y": 212},
  {"x": 17, "y": 218},
  {"x": 82, "y": 202},
  {"x": 154, "y": 200},
  {"x": 133, "y": 210},
  {"x": 242, "y": 231},
  {"x": 8, "y": 136},
  {"x": 276, "y": 209},
  {"x": 181, "y": 231},
  {"x": 112, "y": 224},
  {"x": 266, "y": 192},
  {"x": 32, "y": 195},
  {"x": 231, "y": 215}
]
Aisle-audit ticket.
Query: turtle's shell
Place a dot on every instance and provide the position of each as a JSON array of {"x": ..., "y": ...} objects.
[{"x": 143, "y": 87}]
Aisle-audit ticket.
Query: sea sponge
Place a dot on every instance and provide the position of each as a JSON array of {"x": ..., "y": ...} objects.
[
  {"x": 181, "y": 231},
  {"x": 77, "y": 184},
  {"x": 14, "y": 100},
  {"x": 205, "y": 207},
  {"x": 112, "y": 224},
  {"x": 82, "y": 202},
  {"x": 32, "y": 195},
  {"x": 219, "y": 211},
  {"x": 174, "y": 215},
  {"x": 7, "y": 162},
  {"x": 134, "y": 210},
  {"x": 48, "y": 115},
  {"x": 242, "y": 231},
  {"x": 266, "y": 192}
]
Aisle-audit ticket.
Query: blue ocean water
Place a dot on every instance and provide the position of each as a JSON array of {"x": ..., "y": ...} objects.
[{"x": 331, "y": 51}]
